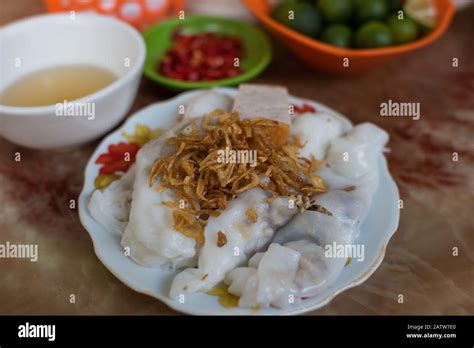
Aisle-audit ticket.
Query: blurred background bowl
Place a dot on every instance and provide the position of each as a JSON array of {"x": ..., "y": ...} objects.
[
  {"x": 329, "y": 59},
  {"x": 54, "y": 40},
  {"x": 139, "y": 13}
]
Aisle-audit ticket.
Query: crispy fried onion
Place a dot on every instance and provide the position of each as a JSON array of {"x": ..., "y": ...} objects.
[
  {"x": 198, "y": 176},
  {"x": 188, "y": 225}
]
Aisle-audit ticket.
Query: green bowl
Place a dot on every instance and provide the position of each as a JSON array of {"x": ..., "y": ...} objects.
[{"x": 258, "y": 52}]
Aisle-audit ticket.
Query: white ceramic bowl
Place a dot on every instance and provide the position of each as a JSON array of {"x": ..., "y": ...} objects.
[
  {"x": 46, "y": 41},
  {"x": 376, "y": 230}
]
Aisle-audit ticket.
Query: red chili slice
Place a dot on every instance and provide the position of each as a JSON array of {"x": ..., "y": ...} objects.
[
  {"x": 303, "y": 108},
  {"x": 122, "y": 148},
  {"x": 119, "y": 158},
  {"x": 112, "y": 168},
  {"x": 308, "y": 108},
  {"x": 105, "y": 158}
]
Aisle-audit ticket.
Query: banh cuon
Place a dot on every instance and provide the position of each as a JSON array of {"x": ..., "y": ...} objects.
[{"x": 197, "y": 203}]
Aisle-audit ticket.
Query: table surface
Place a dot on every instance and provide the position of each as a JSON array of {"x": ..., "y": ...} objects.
[{"x": 437, "y": 192}]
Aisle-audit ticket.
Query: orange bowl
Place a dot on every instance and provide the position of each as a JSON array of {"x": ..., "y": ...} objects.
[{"x": 342, "y": 61}]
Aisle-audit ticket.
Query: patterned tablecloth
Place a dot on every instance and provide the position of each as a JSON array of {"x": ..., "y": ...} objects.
[{"x": 437, "y": 191}]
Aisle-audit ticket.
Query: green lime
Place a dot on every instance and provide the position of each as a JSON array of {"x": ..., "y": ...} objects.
[
  {"x": 336, "y": 10},
  {"x": 367, "y": 10},
  {"x": 338, "y": 35},
  {"x": 307, "y": 19},
  {"x": 373, "y": 34},
  {"x": 300, "y": 16},
  {"x": 403, "y": 30},
  {"x": 282, "y": 12},
  {"x": 394, "y": 5}
]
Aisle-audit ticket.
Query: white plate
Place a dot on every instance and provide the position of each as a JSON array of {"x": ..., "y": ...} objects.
[{"x": 376, "y": 230}]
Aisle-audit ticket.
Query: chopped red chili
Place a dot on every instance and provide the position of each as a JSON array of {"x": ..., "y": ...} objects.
[{"x": 202, "y": 57}]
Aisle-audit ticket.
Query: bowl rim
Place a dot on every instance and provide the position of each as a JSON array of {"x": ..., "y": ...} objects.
[
  {"x": 441, "y": 27},
  {"x": 88, "y": 17},
  {"x": 180, "y": 85}
]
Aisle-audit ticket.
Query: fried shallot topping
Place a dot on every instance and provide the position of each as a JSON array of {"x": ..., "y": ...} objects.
[
  {"x": 221, "y": 239},
  {"x": 305, "y": 203},
  {"x": 227, "y": 156},
  {"x": 252, "y": 215},
  {"x": 190, "y": 226}
]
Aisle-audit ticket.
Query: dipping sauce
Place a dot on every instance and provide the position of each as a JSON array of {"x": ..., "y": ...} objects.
[
  {"x": 202, "y": 57},
  {"x": 54, "y": 85}
]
